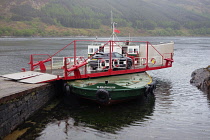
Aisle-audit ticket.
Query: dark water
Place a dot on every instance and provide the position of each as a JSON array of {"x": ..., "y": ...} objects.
[{"x": 179, "y": 111}]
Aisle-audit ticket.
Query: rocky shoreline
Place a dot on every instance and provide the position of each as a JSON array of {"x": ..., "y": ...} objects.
[{"x": 201, "y": 79}]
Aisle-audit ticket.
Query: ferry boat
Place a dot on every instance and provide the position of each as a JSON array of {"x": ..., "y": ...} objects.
[{"x": 114, "y": 70}]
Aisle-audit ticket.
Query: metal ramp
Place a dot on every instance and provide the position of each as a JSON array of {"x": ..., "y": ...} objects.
[{"x": 31, "y": 77}]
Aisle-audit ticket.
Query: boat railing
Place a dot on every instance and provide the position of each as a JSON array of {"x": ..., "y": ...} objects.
[
  {"x": 150, "y": 57},
  {"x": 140, "y": 62},
  {"x": 58, "y": 62},
  {"x": 168, "y": 59},
  {"x": 168, "y": 56},
  {"x": 40, "y": 62}
]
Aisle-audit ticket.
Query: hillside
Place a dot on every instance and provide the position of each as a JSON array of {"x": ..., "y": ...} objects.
[{"x": 92, "y": 17}]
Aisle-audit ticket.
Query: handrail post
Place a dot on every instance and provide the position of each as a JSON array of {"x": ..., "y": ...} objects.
[
  {"x": 75, "y": 52},
  {"x": 110, "y": 54},
  {"x": 65, "y": 69},
  {"x": 147, "y": 54},
  {"x": 31, "y": 62}
]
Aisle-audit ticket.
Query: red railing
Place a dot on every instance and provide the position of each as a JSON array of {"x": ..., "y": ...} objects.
[
  {"x": 38, "y": 63},
  {"x": 74, "y": 71}
]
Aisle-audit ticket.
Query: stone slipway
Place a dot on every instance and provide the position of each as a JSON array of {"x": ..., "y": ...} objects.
[
  {"x": 18, "y": 101},
  {"x": 10, "y": 90}
]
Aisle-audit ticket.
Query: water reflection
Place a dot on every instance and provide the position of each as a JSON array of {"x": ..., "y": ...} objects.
[
  {"x": 112, "y": 119},
  {"x": 66, "y": 120},
  {"x": 163, "y": 92}
]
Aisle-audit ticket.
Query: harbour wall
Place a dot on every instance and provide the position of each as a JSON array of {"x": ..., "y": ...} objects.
[{"x": 17, "y": 106}]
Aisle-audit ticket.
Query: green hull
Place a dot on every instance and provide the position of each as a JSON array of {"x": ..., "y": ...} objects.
[{"x": 112, "y": 89}]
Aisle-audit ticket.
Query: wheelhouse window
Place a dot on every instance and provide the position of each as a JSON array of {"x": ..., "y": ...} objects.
[
  {"x": 130, "y": 50},
  {"x": 90, "y": 50},
  {"x": 136, "y": 50},
  {"x": 96, "y": 49}
]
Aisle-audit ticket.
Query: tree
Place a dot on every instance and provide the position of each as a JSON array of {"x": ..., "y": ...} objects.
[{"x": 149, "y": 25}]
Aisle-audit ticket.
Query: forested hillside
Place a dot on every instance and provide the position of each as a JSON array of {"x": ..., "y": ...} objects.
[{"x": 92, "y": 17}]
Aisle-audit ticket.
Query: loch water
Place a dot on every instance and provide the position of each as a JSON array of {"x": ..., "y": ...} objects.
[{"x": 178, "y": 111}]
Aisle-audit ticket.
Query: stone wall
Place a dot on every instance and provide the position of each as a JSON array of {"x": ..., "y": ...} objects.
[{"x": 14, "y": 111}]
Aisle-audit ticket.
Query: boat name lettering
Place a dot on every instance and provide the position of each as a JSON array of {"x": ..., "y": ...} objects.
[{"x": 106, "y": 87}]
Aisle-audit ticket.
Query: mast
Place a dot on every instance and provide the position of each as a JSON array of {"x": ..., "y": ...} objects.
[
  {"x": 113, "y": 33},
  {"x": 113, "y": 26}
]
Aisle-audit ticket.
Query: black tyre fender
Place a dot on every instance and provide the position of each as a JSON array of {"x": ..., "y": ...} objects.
[
  {"x": 147, "y": 91},
  {"x": 152, "y": 87},
  {"x": 102, "y": 96},
  {"x": 66, "y": 89}
]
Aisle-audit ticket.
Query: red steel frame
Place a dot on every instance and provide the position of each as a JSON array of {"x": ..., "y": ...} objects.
[{"x": 75, "y": 67}]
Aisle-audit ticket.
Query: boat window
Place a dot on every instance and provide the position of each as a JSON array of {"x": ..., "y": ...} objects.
[
  {"x": 130, "y": 50},
  {"x": 136, "y": 51},
  {"x": 96, "y": 49},
  {"x": 91, "y": 50}
]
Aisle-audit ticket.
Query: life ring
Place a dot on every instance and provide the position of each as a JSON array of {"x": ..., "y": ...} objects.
[
  {"x": 102, "y": 64},
  {"x": 102, "y": 96},
  {"x": 115, "y": 63},
  {"x": 153, "y": 60}
]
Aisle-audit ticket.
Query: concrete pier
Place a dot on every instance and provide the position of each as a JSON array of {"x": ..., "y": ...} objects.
[{"x": 18, "y": 101}]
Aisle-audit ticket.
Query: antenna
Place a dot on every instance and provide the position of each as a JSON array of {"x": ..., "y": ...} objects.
[
  {"x": 113, "y": 30},
  {"x": 113, "y": 27}
]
